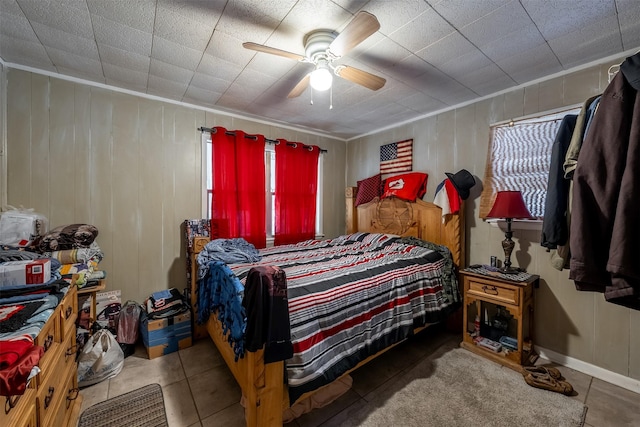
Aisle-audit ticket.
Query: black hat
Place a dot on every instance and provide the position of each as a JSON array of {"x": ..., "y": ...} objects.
[{"x": 463, "y": 181}]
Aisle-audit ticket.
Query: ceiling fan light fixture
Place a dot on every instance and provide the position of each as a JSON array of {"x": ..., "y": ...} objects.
[{"x": 321, "y": 78}]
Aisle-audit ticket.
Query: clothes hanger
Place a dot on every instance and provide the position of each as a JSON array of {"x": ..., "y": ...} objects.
[{"x": 613, "y": 70}]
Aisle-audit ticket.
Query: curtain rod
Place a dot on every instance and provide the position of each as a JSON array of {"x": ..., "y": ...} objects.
[{"x": 269, "y": 141}]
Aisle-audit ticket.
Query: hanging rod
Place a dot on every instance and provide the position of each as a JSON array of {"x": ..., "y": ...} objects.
[{"x": 269, "y": 141}]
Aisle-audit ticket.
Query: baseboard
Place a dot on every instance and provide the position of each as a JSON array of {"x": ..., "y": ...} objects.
[{"x": 589, "y": 369}]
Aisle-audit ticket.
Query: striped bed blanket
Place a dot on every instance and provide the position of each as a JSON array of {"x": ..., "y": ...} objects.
[{"x": 352, "y": 296}]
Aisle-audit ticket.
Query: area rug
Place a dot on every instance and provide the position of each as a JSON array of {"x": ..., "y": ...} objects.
[
  {"x": 143, "y": 407},
  {"x": 454, "y": 387}
]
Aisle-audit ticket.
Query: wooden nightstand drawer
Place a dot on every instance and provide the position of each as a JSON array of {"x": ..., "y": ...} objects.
[{"x": 494, "y": 291}]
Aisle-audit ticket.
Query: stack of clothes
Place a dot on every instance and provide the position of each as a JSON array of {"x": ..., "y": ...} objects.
[
  {"x": 24, "y": 310},
  {"x": 75, "y": 247},
  {"x": 165, "y": 303}
]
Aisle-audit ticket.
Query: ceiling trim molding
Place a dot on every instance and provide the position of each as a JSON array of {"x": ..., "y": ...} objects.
[
  {"x": 169, "y": 101},
  {"x": 620, "y": 56}
]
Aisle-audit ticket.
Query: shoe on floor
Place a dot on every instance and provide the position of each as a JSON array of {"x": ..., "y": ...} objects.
[
  {"x": 545, "y": 381},
  {"x": 553, "y": 372}
]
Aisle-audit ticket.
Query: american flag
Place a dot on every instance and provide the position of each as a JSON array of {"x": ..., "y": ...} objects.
[{"x": 396, "y": 157}]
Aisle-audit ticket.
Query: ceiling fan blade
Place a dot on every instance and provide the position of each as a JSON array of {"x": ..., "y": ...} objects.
[
  {"x": 360, "y": 77},
  {"x": 361, "y": 26},
  {"x": 272, "y": 50},
  {"x": 300, "y": 87}
]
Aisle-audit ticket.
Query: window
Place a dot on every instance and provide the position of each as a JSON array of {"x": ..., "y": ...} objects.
[
  {"x": 270, "y": 179},
  {"x": 519, "y": 159}
]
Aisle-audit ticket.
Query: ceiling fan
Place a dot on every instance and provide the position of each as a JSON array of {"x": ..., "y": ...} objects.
[{"x": 322, "y": 47}]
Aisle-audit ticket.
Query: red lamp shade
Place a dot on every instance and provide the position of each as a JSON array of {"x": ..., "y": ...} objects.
[{"x": 509, "y": 204}]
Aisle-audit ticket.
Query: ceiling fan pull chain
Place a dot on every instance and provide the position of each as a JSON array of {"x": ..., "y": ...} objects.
[
  {"x": 331, "y": 98},
  {"x": 311, "y": 96}
]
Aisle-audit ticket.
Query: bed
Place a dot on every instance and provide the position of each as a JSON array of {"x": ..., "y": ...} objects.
[{"x": 393, "y": 226}]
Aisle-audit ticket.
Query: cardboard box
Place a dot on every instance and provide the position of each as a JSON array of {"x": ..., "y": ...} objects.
[
  {"x": 164, "y": 336},
  {"x": 26, "y": 272}
]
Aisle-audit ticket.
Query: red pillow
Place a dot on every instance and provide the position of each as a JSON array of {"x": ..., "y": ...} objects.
[
  {"x": 408, "y": 186},
  {"x": 368, "y": 189}
]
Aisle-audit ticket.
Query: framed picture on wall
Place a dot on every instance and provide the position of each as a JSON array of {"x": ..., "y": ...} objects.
[{"x": 396, "y": 157}]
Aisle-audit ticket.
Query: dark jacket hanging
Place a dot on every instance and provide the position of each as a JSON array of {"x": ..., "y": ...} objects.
[
  {"x": 555, "y": 230},
  {"x": 605, "y": 230}
]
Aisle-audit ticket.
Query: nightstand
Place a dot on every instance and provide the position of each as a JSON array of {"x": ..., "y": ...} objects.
[{"x": 499, "y": 308}]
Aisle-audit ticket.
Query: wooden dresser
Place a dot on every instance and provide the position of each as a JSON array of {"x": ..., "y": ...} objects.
[{"x": 52, "y": 397}]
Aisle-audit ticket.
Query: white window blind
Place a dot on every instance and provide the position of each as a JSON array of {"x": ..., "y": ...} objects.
[{"x": 519, "y": 158}]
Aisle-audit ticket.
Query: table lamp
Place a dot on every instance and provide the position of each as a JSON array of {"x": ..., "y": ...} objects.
[{"x": 509, "y": 205}]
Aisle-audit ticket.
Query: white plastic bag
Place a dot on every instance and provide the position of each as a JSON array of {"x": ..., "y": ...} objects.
[
  {"x": 21, "y": 227},
  {"x": 101, "y": 358}
]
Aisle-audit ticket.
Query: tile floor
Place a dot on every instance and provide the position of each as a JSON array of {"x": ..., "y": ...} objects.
[{"x": 199, "y": 390}]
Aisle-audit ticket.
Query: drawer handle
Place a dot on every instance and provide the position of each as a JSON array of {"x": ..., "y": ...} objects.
[
  {"x": 48, "y": 342},
  {"x": 10, "y": 403},
  {"x": 68, "y": 312},
  {"x": 48, "y": 397},
  {"x": 490, "y": 290},
  {"x": 75, "y": 391},
  {"x": 71, "y": 351}
]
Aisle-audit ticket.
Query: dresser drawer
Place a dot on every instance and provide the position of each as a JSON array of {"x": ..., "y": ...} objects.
[
  {"x": 68, "y": 350},
  {"x": 50, "y": 393},
  {"x": 49, "y": 339},
  {"x": 501, "y": 294},
  {"x": 68, "y": 312},
  {"x": 19, "y": 409}
]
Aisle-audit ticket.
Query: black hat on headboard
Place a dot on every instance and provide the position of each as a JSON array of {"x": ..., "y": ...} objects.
[{"x": 462, "y": 181}]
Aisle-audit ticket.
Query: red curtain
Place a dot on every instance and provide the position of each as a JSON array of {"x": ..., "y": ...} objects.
[
  {"x": 296, "y": 189},
  {"x": 239, "y": 198}
]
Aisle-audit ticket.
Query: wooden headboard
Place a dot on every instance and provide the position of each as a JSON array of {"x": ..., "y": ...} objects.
[{"x": 418, "y": 219}]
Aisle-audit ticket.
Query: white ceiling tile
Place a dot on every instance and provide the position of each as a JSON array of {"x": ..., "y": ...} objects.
[
  {"x": 57, "y": 39},
  {"x": 124, "y": 59},
  {"x": 464, "y": 64},
  {"x": 219, "y": 68},
  {"x": 71, "y": 16},
  {"x": 513, "y": 43},
  {"x": 531, "y": 64},
  {"x": 172, "y": 53},
  {"x": 352, "y": 5},
  {"x": 496, "y": 25},
  {"x": 421, "y": 102},
  {"x": 25, "y": 52},
  {"x": 71, "y": 61},
  {"x": 230, "y": 49},
  {"x": 121, "y": 36},
  {"x": 168, "y": 88},
  {"x": 588, "y": 43},
  {"x": 247, "y": 21},
  {"x": 286, "y": 38},
  {"x": 273, "y": 65},
  {"x": 170, "y": 72},
  {"x": 394, "y": 14},
  {"x": 255, "y": 80},
  {"x": 560, "y": 17},
  {"x": 124, "y": 75},
  {"x": 486, "y": 80},
  {"x": 463, "y": 12},
  {"x": 629, "y": 16},
  {"x": 446, "y": 49},
  {"x": 177, "y": 22},
  {"x": 235, "y": 98},
  {"x": 201, "y": 97},
  {"x": 310, "y": 15},
  {"x": 207, "y": 82},
  {"x": 386, "y": 53},
  {"x": 426, "y": 29},
  {"x": 136, "y": 14},
  {"x": 16, "y": 26}
]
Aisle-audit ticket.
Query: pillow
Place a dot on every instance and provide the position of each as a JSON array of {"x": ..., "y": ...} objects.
[
  {"x": 408, "y": 186},
  {"x": 368, "y": 189}
]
